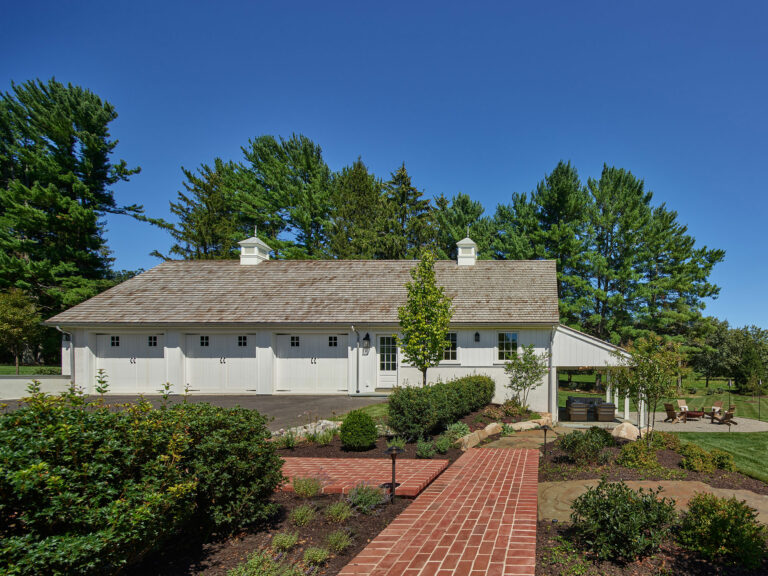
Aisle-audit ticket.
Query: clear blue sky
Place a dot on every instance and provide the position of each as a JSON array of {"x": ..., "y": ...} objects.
[{"x": 481, "y": 97}]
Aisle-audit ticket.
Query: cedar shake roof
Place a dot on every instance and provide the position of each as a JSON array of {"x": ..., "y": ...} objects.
[{"x": 318, "y": 291}]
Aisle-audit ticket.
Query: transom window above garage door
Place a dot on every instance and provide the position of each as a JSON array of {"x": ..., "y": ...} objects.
[
  {"x": 114, "y": 340},
  {"x": 152, "y": 341},
  {"x": 242, "y": 341},
  {"x": 295, "y": 341},
  {"x": 333, "y": 341},
  {"x": 204, "y": 340}
]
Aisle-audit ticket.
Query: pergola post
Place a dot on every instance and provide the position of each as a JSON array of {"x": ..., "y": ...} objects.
[
  {"x": 553, "y": 389},
  {"x": 626, "y": 407},
  {"x": 608, "y": 387}
]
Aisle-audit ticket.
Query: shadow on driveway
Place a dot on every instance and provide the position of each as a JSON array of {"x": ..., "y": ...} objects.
[{"x": 285, "y": 410}]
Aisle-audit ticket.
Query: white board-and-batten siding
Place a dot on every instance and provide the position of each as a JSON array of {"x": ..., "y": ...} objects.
[{"x": 261, "y": 372}]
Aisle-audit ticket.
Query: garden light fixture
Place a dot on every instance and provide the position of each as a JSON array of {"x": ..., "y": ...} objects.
[
  {"x": 546, "y": 429},
  {"x": 393, "y": 452},
  {"x": 366, "y": 341}
]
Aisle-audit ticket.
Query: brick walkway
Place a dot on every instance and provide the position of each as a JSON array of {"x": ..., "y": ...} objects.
[
  {"x": 340, "y": 475},
  {"x": 478, "y": 518}
]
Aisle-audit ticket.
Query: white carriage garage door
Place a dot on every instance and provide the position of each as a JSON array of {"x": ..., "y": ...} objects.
[
  {"x": 132, "y": 363},
  {"x": 221, "y": 363},
  {"x": 312, "y": 363}
]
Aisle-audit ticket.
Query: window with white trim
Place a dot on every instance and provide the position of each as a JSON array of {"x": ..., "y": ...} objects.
[
  {"x": 152, "y": 341},
  {"x": 451, "y": 346},
  {"x": 295, "y": 342},
  {"x": 387, "y": 353},
  {"x": 507, "y": 345},
  {"x": 114, "y": 341},
  {"x": 204, "y": 341}
]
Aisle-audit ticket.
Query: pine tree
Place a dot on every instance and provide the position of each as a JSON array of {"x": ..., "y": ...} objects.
[
  {"x": 358, "y": 204},
  {"x": 619, "y": 216},
  {"x": 514, "y": 228},
  {"x": 458, "y": 218},
  {"x": 55, "y": 186},
  {"x": 292, "y": 181},
  {"x": 408, "y": 230},
  {"x": 560, "y": 203},
  {"x": 210, "y": 223}
]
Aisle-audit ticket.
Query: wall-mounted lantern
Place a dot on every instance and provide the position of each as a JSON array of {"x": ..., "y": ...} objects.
[
  {"x": 477, "y": 336},
  {"x": 366, "y": 341}
]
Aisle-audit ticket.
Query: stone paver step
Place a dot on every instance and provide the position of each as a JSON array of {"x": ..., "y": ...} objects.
[
  {"x": 340, "y": 475},
  {"x": 477, "y": 518}
]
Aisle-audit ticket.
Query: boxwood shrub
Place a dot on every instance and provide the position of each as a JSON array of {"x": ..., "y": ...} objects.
[
  {"x": 416, "y": 412},
  {"x": 358, "y": 431},
  {"x": 85, "y": 489}
]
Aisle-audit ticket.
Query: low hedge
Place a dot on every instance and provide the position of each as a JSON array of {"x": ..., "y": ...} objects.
[
  {"x": 416, "y": 412},
  {"x": 86, "y": 489}
]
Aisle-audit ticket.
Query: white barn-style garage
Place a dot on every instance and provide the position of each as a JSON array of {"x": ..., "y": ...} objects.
[{"x": 262, "y": 326}]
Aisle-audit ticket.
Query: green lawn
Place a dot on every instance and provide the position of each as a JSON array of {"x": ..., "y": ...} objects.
[
  {"x": 27, "y": 370},
  {"x": 749, "y": 449},
  {"x": 746, "y": 406},
  {"x": 375, "y": 411}
]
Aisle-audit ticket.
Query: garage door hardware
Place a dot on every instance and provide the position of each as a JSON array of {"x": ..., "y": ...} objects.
[
  {"x": 223, "y": 360},
  {"x": 132, "y": 359}
]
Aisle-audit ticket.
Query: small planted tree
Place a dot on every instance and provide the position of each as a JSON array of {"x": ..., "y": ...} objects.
[
  {"x": 19, "y": 322},
  {"x": 648, "y": 372},
  {"x": 425, "y": 317},
  {"x": 525, "y": 371}
]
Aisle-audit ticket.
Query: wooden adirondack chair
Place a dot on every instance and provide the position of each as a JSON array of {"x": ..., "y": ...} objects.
[
  {"x": 726, "y": 418},
  {"x": 672, "y": 416}
]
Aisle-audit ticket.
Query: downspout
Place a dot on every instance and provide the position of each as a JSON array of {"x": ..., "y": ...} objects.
[
  {"x": 357, "y": 363},
  {"x": 72, "y": 345}
]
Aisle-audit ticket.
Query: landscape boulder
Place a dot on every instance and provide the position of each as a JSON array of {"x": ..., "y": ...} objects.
[{"x": 626, "y": 431}]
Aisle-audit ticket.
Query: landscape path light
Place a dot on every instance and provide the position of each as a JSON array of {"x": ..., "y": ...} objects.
[
  {"x": 546, "y": 429},
  {"x": 393, "y": 452}
]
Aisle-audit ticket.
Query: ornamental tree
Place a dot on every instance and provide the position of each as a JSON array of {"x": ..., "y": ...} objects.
[
  {"x": 525, "y": 371},
  {"x": 19, "y": 322},
  {"x": 648, "y": 372},
  {"x": 425, "y": 317}
]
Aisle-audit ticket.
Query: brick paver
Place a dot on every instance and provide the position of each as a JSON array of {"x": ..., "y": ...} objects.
[
  {"x": 477, "y": 518},
  {"x": 340, "y": 475}
]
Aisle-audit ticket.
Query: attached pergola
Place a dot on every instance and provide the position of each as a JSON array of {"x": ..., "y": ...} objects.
[{"x": 575, "y": 350}]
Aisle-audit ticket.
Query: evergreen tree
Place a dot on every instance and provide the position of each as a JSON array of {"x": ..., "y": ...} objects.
[
  {"x": 408, "y": 230},
  {"x": 619, "y": 216},
  {"x": 514, "y": 227},
  {"x": 291, "y": 182},
  {"x": 560, "y": 205},
  {"x": 458, "y": 218},
  {"x": 209, "y": 222},
  {"x": 358, "y": 204},
  {"x": 56, "y": 176}
]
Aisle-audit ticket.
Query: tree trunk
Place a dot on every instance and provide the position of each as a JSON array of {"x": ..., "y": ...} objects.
[
  {"x": 17, "y": 363},
  {"x": 424, "y": 377},
  {"x": 706, "y": 381}
]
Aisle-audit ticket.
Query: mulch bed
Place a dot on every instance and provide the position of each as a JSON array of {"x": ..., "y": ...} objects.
[
  {"x": 556, "y": 466},
  {"x": 336, "y": 450},
  {"x": 477, "y": 420},
  {"x": 216, "y": 556},
  {"x": 551, "y": 560}
]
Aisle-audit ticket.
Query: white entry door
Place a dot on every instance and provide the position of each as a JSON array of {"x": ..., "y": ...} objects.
[
  {"x": 312, "y": 363},
  {"x": 387, "y": 362},
  {"x": 221, "y": 363},
  {"x": 132, "y": 363}
]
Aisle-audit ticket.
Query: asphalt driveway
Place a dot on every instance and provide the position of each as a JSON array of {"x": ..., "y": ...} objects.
[{"x": 285, "y": 410}]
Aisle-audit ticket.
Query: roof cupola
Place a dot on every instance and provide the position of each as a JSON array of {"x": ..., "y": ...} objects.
[
  {"x": 253, "y": 251},
  {"x": 466, "y": 251}
]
